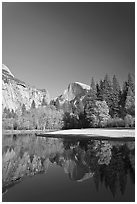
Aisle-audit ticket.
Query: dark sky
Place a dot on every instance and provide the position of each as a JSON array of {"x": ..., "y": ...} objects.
[{"x": 50, "y": 45}]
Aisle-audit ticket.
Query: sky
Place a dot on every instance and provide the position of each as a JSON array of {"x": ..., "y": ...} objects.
[{"x": 50, "y": 45}]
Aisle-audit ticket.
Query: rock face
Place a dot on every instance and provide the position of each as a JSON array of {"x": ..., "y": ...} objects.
[
  {"x": 15, "y": 93},
  {"x": 75, "y": 91}
]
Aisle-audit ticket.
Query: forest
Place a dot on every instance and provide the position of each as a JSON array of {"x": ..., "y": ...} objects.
[{"x": 106, "y": 105}]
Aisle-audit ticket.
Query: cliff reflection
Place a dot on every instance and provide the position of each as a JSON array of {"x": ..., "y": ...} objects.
[{"x": 106, "y": 162}]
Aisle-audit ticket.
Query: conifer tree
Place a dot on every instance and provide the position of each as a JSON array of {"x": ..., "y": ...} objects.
[
  {"x": 43, "y": 103},
  {"x": 13, "y": 114},
  {"x": 5, "y": 111},
  {"x": 107, "y": 88},
  {"x": 100, "y": 87},
  {"x": 106, "y": 91},
  {"x": 90, "y": 104},
  {"x": 23, "y": 109},
  {"x": 131, "y": 82},
  {"x": 33, "y": 105},
  {"x": 93, "y": 88},
  {"x": 115, "y": 97},
  {"x": 130, "y": 102},
  {"x": 123, "y": 96}
]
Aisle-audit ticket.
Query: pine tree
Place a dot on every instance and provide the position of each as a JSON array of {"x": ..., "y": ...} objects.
[
  {"x": 101, "y": 112},
  {"x": 93, "y": 89},
  {"x": 13, "y": 114},
  {"x": 130, "y": 102},
  {"x": 33, "y": 106},
  {"x": 122, "y": 102},
  {"x": 100, "y": 87},
  {"x": 5, "y": 111},
  {"x": 115, "y": 97},
  {"x": 23, "y": 108},
  {"x": 128, "y": 90},
  {"x": 98, "y": 90},
  {"x": 43, "y": 103},
  {"x": 90, "y": 104},
  {"x": 131, "y": 82},
  {"x": 106, "y": 91}
]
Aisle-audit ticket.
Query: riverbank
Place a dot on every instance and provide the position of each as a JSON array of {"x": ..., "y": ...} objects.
[
  {"x": 87, "y": 132},
  {"x": 94, "y": 132},
  {"x": 10, "y": 132}
]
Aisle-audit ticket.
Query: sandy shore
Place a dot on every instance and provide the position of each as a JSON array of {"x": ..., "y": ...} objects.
[
  {"x": 114, "y": 133},
  {"x": 90, "y": 132}
]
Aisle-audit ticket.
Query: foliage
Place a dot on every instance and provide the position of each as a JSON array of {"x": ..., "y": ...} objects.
[
  {"x": 70, "y": 121},
  {"x": 115, "y": 122},
  {"x": 101, "y": 113},
  {"x": 36, "y": 118},
  {"x": 99, "y": 88},
  {"x": 89, "y": 110},
  {"x": 130, "y": 102},
  {"x": 23, "y": 109},
  {"x": 7, "y": 113},
  {"x": 106, "y": 90},
  {"x": 129, "y": 121},
  {"x": 97, "y": 113},
  {"x": 111, "y": 162},
  {"x": 7, "y": 123},
  {"x": 131, "y": 82},
  {"x": 104, "y": 105},
  {"x": 127, "y": 97},
  {"x": 123, "y": 95},
  {"x": 33, "y": 105},
  {"x": 115, "y": 97},
  {"x": 43, "y": 103},
  {"x": 93, "y": 89}
]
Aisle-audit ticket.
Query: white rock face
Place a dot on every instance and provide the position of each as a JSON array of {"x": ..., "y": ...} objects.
[
  {"x": 15, "y": 93},
  {"x": 6, "y": 69},
  {"x": 73, "y": 91},
  {"x": 84, "y": 86}
]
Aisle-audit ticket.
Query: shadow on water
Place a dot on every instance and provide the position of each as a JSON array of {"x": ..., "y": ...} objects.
[{"x": 109, "y": 165}]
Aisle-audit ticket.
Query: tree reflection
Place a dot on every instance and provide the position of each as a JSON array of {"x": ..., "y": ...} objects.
[{"x": 106, "y": 162}]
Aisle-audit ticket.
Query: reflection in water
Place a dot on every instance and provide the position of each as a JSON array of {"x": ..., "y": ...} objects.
[{"x": 108, "y": 163}]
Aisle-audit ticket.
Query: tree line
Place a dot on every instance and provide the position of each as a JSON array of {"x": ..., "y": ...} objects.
[
  {"x": 106, "y": 104},
  {"x": 41, "y": 118}
]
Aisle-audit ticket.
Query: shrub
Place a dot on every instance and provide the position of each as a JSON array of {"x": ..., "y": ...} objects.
[
  {"x": 101, "y": 114},
  {"x": 70, "y": 121},
  {"x": 115, "y": 122},
  {"x": 7, "y": 123},
  {"x": 129, "y": 121},
  {"x": 36, "y": 118}
]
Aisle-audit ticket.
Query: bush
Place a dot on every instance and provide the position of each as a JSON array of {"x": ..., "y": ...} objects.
[
  {"x": 70, "y": 121},
  {"x": 115, "y": 122},
  {"x": 36, "y": 118},
  {"x": 7, "y": 123},
  {"x": 129, "y": 121},
  {"x": 101, "y": 114}
]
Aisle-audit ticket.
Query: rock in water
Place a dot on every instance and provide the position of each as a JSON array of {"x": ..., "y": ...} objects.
[{"x": 15, "y": 92}]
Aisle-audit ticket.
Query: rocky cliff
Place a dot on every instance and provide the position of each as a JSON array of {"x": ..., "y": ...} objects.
[
  {"x": 73, "y": 94},
  {"x": 15, "y": 92}
]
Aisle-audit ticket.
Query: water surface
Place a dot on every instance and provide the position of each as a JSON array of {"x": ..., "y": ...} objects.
[{"x": 67, "y": 169}]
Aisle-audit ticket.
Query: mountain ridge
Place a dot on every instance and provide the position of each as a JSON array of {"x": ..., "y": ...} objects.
[{"x": 15, "y": 92}]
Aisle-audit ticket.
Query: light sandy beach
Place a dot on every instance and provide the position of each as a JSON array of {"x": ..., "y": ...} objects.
[{"x": 114, "y": 133}]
